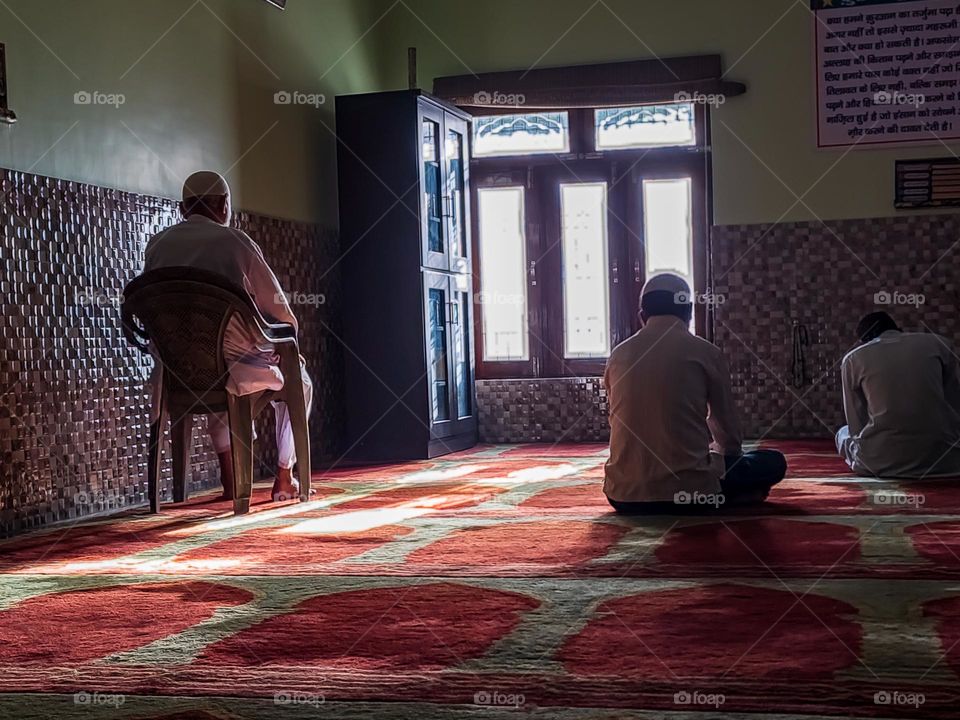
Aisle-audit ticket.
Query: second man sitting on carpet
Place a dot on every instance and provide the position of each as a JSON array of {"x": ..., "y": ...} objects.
[{"x": 675, "y": 441}]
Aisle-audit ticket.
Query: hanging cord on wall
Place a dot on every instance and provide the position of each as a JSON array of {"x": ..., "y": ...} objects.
[{"x": 801, "y": 339}]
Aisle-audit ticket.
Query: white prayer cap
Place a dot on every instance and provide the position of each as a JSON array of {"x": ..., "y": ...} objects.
[
  {"x": 667, "y": 282},
  {"x": 205, "y": 183}
]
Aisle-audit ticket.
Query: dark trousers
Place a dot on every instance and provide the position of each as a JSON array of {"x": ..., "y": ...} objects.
[{"x": 748, "y": 479}]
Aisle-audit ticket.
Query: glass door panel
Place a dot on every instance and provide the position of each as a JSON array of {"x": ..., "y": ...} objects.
[
  {"x": 667, "y": 212},
  {"x": 460, "y": 327},
  {"x": 586, "y": 285},
  {"x": 668, "y": 228},
  {"x": 437, "y": 355},
  {"x": 455, "y": 199},
  {"x": 432, "y": 193},
  {"x": 503, "y": 273}
]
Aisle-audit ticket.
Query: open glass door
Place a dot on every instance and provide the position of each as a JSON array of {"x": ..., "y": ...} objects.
[
  {"x": 456, "y": 210},
  {"x": 435, "y": 254}
]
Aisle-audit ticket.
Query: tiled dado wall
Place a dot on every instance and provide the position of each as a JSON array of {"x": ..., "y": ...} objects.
[
  {"x": 822, "y": 276},
  {"x": 73, "y": 411},
  {"x": 550, "y": 410}
]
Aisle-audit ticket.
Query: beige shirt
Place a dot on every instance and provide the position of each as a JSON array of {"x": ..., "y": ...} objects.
[
  {"x": 901, "y": 396},
  {"x": 669, "y": 395},
  {"x": 201, "y": 243}
]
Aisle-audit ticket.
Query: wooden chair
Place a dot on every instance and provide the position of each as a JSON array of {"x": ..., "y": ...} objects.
[{"x": 183, "y": 313}]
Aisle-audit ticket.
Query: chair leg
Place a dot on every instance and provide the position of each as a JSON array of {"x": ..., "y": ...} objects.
[
  {"x": 296, "y": 406},
  {"x": 154, "y": 458},
  {"x": 181, "y": 435},
  {"x": 241, "y": 446},
  {"x": 301, "y": 441}
]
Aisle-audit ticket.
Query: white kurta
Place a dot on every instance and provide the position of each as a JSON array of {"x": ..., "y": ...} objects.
[
  {"x": 201, "y": 243},
  {"x": 672, "y": 416},
  {"x": 901, "y": 397}
]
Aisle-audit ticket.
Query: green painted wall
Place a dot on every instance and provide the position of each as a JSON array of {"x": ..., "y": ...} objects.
[
  {"x": 765, "y": 154},
  {"x": 199, "y": 78}
]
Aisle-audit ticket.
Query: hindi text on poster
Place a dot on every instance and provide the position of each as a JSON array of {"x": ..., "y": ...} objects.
[{"x": 888, "y": 71}]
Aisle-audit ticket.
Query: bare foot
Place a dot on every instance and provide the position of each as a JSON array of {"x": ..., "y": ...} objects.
[{"x": 285, "y": 487}]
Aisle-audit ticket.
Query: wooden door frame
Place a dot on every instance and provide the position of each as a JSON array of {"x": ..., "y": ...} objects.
[
  {"x": 502, "y": 369},
  {"x": 699, "y": 228},
  {"x": 625, "y": 170}
]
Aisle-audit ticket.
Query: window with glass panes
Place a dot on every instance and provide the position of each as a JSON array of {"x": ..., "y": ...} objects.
[{"x": 573, "y": 210}]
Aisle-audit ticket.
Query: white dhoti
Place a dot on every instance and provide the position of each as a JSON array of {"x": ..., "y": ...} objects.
[
  {"x": 219, "y": 428},
  {"x": 252, "y": 370}
]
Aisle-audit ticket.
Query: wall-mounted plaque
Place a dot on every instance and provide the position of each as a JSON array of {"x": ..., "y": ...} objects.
[{"x": 928, "y": 183}]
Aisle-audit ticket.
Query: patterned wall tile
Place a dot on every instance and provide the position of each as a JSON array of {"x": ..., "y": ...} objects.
[
  {"x": 822, "y": 277},
  {"x": 550, "y": 410},
  {"x": 73, "y": 412}
]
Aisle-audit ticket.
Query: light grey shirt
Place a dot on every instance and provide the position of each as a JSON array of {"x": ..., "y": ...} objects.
[
  {"x": 669, "y": 396},
  {"x": 901, "y": 397},
  {"x": 199, "y": 242}
]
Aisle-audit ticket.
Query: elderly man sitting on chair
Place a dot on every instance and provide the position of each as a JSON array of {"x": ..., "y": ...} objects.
[{"x": 205, "y": 240}]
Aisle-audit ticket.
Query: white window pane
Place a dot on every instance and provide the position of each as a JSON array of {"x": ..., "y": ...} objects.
[
  {"x": 521, "y": 134},
  {"x": 645, "y": 126},
  {"x": 668, "y": 236},
  {"x": 586, "y": 291},
  {"x": 503, "y": 287}
]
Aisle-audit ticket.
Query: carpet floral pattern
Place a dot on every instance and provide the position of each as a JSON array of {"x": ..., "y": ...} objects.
[{"x": 495, "y": 583}]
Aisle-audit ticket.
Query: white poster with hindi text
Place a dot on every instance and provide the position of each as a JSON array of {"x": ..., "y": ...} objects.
[{"x": 888, "y": 72}]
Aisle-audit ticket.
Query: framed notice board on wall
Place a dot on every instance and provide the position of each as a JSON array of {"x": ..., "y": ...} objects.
[
  {"x": 888, "y": 72},
  {"x": 928, "y": 183}
]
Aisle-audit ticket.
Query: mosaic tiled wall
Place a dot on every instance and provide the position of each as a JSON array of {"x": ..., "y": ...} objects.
[
  {"x": 821, "y": 276},
  {"x": 554, "y": 410},
  {"x": 73, "y": 413},
  {"x": 824, "y": 277}
]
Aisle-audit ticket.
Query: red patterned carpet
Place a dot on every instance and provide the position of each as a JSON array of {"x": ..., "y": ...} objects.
[{"x": 495, "y": 583}]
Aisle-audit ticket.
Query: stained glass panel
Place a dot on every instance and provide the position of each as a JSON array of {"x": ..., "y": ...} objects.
[
  {"x": 521, "y": 134},
  {"x": 645, "y": 126}
]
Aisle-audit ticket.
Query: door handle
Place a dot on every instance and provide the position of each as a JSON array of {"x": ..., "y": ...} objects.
[
  {"x": 636, "y": 272},
  {"x": 453, "y": 313},
  {"x": 533, "y": 272},
  {"x": 616, "y": 272}
]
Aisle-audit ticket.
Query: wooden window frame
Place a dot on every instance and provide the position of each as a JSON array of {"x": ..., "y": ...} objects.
[{"x": 623, "y": 170}]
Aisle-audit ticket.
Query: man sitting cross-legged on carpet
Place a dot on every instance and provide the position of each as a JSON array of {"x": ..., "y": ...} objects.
[
  {"x": 206, "y": 241},
  {"x": 669, "y": 394},
  {"x": 901, "y": 397}
]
